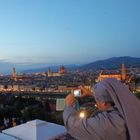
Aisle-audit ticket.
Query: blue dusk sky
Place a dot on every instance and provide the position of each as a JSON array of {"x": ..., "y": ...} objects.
[{"x": 67, "y": 31}]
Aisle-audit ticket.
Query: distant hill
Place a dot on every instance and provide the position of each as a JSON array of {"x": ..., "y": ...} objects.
[{"x": 112, "y": 63}]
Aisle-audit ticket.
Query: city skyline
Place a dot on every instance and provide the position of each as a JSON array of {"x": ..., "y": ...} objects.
[{"x": 35, "y": 33}]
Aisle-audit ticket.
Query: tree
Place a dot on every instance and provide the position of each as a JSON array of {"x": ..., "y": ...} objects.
[{"x": 34, "y": 112}]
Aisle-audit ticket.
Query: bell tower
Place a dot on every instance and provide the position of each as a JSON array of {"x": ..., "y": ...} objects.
[
  {"x": 14, "y": 75},
  {"x": 123, "y": 72}
]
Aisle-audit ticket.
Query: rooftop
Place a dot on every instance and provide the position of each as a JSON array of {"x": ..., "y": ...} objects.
[{"x": 35, "y": 130}]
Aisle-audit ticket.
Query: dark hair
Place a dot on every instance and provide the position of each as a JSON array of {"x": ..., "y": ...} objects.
[{"x": 111, "y": 103}]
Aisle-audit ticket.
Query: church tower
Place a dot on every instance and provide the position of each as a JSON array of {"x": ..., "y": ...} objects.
[
  {"x": 123, "y": 72},
  {"x": 14, "y": 75},
  {"x": 49, "y": 72}
]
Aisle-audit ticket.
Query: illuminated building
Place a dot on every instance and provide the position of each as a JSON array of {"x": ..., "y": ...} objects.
[
  {"x": 62, "y": 71},
  {"x": 14, "y": 75},
  {"x": 118, "y": 76},
  {"x": 104, "y": 76},
  {"x": 17, "y": 77},
  {"x": 49, "y": 72},
  {"x": 123, "y": 72}
]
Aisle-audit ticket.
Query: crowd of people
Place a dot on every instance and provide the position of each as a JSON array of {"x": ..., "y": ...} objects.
[{"x": 9, "y": 122}]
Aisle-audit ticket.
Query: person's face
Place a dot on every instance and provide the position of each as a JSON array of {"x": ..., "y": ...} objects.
[{"x": 101, "y": 105}]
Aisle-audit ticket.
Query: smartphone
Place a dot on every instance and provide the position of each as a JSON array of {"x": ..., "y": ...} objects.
[{"x": 77, "y": 93}]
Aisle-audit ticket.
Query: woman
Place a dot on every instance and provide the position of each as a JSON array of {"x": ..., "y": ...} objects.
[{"x": 119, "y": 119}]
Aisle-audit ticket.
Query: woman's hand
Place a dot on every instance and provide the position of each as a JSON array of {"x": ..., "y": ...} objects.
[
  {"x": 70, "y": 100},
  {"x": 85, "y": 91}
]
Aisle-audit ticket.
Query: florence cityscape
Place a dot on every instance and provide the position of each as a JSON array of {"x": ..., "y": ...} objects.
[{"x": 49, "y": 49}]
